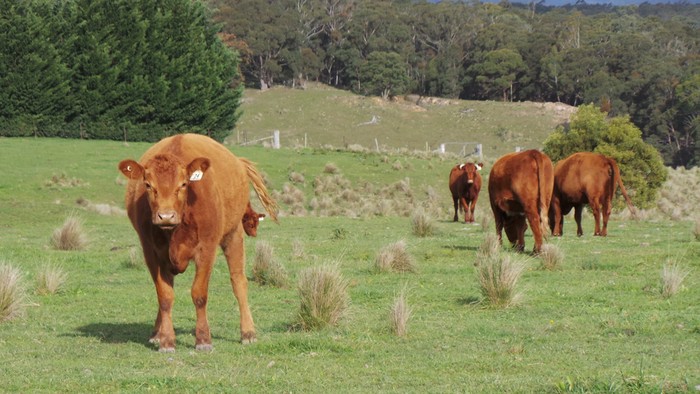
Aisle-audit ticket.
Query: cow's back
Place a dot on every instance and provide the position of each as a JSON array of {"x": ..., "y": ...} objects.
[{"x": 581, "y": 176}]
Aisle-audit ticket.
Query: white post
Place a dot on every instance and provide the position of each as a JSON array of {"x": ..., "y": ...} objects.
[
  {"x": 479, "y": 151},
  {"x": 276, "y": 139},
  {"x": 442, "y": 148}
]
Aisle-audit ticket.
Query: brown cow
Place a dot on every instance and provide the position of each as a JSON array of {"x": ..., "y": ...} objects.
[
  {"x": 585, "y": 178},
  {"x": 520, "y": 187},
  {"x": 250, "y": 221},
  {"x": 185, "y": 197},
  {"x": 465, "y": 184}
]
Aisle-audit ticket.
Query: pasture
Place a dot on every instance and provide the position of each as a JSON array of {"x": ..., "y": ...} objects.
[{"x": 599, "y": 323}]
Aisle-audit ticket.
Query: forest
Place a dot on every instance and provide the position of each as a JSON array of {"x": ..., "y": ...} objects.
[
  {"x": 141, "y": 70},
  {"x": 642, "y": 61}
]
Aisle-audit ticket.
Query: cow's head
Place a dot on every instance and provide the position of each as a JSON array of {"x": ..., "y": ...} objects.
[
  {"x": 471, "y": 170},
  {"x": 250, "y": 222},
  {"x": 166, "y": 180}
]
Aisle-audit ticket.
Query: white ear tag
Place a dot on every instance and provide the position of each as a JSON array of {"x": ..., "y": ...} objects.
[{"x": 196, "y": 176}]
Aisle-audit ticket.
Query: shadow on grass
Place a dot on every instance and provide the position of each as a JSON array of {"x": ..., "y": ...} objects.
[
  {"x": 118, "y": 332},
  {"x": 460, "y": 247},
  {"x": 469, "y": 300}
]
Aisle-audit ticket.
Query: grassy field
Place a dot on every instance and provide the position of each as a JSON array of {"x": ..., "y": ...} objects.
[
  {"x": 597, "y": 324},
  {"x": 323, "y": 116}
]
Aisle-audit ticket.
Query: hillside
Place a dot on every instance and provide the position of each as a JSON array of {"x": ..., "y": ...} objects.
[{"x": 321, "y": 115}]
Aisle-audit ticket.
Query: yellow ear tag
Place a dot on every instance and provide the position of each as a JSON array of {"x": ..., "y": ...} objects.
[{"x": 197, "y": 175}]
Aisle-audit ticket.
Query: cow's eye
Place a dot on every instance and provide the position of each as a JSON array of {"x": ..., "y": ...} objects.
[
  {"x": 184, "y": 185},
  {"x": 148, "y": 186}
]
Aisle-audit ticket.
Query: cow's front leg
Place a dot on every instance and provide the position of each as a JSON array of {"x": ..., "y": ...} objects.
[
  {"x": 200, "y": 292},
  {"x": 163, "y": 331}
]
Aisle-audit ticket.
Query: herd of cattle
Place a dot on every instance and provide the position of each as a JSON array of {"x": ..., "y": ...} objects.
[
  {"x": 525, "y": 186},
  {"x": 189, "y": 195}
]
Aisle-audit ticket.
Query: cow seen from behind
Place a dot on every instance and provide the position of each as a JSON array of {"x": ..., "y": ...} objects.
[
  {"x": 585, "y": 178},
  {"x": 520, "y": 188},
  {"x": 465, "y": 185},
  {"x": 186, "y": 197}
]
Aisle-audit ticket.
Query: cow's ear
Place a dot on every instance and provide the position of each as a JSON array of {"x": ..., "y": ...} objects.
[
  {"x": 479, "y": 166},
  {"x": 197, "y": 168},
  {"x": 131, "y": 169}
]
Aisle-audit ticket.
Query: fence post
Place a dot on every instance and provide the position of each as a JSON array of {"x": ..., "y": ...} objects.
[
  {"x": 276, "y": 139},
  {"x": 442, "y": 148},
  {"x": 479, "y": 151}
]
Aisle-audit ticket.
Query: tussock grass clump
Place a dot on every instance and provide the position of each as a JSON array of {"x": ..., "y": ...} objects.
[
  {"x": 696, "y": 229},
  {"x": 70, "y": 236},
  {"x": 266, "y": 269},
  {"x": 672, "y": 277},
  {"x": 551, "y": 257},
  {"x": 134, "y": 259},
  {"x": 485, "y": 223},
  {"x": 298, "y": 249},
  {"x": 102, "y": 209},
  {"x": 12, "y": 294},
  {"x": 422, "y": 224},
  {"x": 62, "y": 180},
  {"x": 488, "y": 249},
  {"x": 297, "y": 177},
  {"x": 323, "y": 293},
  {"x": 394, "y": 257},
  {"x": 498, "y": 275},
  {"x": 331, "y": 168},
  {"x": 50, "y": 279},
  {"x": 399, "y": 314}
]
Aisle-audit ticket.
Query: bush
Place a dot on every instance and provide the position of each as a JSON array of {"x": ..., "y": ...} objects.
[
  {"x": 324, "y": 297},
  {"x": 12, "y": 294},
  {"x": 640, "y": 164},
  {"x": 70, "y": 236}
]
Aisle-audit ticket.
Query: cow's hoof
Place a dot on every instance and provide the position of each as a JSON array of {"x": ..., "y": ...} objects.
[
  {"x": 248, "y": 337},
  {"x": 204, "y": 347}
]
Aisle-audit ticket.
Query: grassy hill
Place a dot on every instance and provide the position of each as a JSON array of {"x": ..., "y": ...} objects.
[{"x": 321, "y": 115}]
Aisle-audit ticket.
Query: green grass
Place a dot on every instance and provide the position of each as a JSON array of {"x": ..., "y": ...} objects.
[{"x": 599, "y": 323}]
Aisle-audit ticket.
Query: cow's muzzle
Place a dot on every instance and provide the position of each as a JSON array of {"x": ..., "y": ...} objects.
[{"x": 166, "y": 220}]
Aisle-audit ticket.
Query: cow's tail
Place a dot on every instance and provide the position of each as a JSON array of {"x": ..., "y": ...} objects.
[
  {"x": 542, "y": 195},
  {"x": 617, "y": 181},
  {"x": 267, "y": 201}
]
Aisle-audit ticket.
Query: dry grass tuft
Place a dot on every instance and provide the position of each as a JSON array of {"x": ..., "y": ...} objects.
[
  {"x": 331, "y": 168},
  {"x": 323, "y": 293},
  {"x": 70, "y": 236},
  {"x": 489, "y": 248},
  {"x": 672, "y": 277},
  {"x": 394, "y": 257},
  {"x": 134, "y": 259},
  {"x": 12, "y": 294},
  {"x": 551, "y": 257},
  {"x": 63, "y": 181},
  {"x": 266, "y": 269},
  {"x": 422, "y": 224},
  {"x": 50, "y": 279},
  {"x": 485, "y": 223},
  {"x": 297, "y": 177},
  {"x": 696, "y": 229},
  {"x": 298, "y": 249},
  {"x": 498, "y": 276},
  {"x": 102, "y": 209},
  {"x": 399, "y": 314}
]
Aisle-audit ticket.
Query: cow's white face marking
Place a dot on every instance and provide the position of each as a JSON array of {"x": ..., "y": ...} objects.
[{"x": 196, "y": 176}]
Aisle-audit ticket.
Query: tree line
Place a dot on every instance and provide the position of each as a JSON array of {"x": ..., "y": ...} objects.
[
  {"x": 641, "y": 61},
  {"x": 114, "y": 69}
]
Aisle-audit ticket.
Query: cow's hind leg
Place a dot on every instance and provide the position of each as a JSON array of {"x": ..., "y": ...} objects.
[
  {"x": 595, "y": 207},
  {"x": 200, "y": 294},
  {"x": 235, "y": 256}
]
